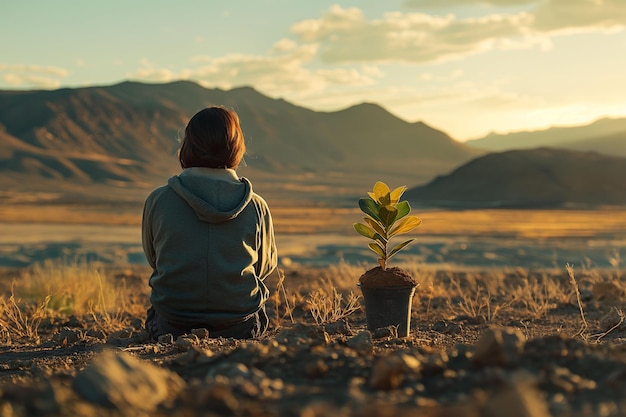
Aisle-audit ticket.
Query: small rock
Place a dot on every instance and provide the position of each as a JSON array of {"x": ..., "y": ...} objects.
[
  {"x": 142, "y": 337},
  {"x": 67, "y": 336},
  {"x": 519, "y": 399},
  {"x": 186, "y": 342},
  {"x": 303, "y": 334},
  {"x": 39, "y": 397},
  {"x": 195, "y": 355},
  {"x": 96, "y": 334},
  {"x": 338, "y": 327},
  {"x": 435, "y": 363},
  {"x": 385, "y": 332},
  {"x": 120, "y": 338},
  {"x": 200, "y": 333},
  {"x": 316, "y": 369},
  {"x": 166, "y": 339},
  {"x": 362, "y": 342},
  {"x": 447, "y": 327},
  {"x": 569, "y": 382},
  {"x": 121, "y": 381},
  {"x": 250, "y": 381},
  {"x": 613, "y": 319},
  {"x": 218, "y": 397},
  {"x": 389, "y": 371},
  {"x": 499, "y": 346}
]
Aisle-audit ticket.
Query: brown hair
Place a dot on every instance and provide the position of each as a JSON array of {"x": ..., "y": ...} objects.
[{"x": 213, "y": 139}]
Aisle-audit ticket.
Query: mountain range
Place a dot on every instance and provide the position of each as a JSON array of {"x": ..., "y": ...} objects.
[
  {"x": 115, "y": 143},
  {"x": 124, "y": 135},
  {"x": 606, "y": 136}
]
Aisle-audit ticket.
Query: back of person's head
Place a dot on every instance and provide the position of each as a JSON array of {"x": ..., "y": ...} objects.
[{"x": 213, "y": 139}]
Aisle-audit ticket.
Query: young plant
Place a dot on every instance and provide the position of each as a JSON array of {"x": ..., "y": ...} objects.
[{"x": 387, "y": 217}]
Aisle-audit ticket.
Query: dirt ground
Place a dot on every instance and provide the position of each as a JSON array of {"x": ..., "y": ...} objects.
[{"x": 512, "y": 363}]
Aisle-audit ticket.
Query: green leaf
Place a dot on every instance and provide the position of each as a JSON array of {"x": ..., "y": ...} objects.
[
  {"x": 383, "y": 241},
  {"x": 403, "y": 208},
  {"x": 376, "y": 226},
  {"x": 405, "y": 225},
  {"x": 377, "y": 249},
  {"x": 387, "y": 215},
  {"x": 398, "y": 247},
  {"x": 369, "y": 207},
  {"x": 365, "y": 230},
  {"x": 396, "y": 194}
]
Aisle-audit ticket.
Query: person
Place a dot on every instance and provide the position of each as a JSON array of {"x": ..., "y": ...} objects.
[{"x": 208, "y": 238}]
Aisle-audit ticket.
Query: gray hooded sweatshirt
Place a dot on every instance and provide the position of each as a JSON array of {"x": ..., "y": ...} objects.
[{"x": 210, "y": 241}]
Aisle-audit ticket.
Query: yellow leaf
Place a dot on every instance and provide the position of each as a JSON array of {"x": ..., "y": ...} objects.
[
  {"x": 397, "y": 193},
  {"x": 405, "y": 225},
  {"x": 381, "y": 191}
]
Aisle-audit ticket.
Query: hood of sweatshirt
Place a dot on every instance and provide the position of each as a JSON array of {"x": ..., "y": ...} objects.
[{"x": 216, "y": 195}]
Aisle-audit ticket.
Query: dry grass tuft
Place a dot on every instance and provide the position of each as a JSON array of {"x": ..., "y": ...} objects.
[
  {"x": 584, "y": 326},
  {"x": 69, "y": 288},
  {"x": 537, "y": 295},
  {"x": 21, "y": 319},
  {"x": 326, "y": 304},
  {"x": 73, "y": 287}
]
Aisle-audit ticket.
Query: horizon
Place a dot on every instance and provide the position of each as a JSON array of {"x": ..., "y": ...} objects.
[
  {"x": 497, "y": 133},
  {"x": 466, "y": 67}
]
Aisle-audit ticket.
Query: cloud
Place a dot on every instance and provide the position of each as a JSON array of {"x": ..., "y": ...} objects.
[
  {"x": 580, "y": 15},
  {"x": 549, "y": 15},
  {"x": 284, "y": 71},
  {"x": 436, "y": 4},
  {"x": 345, "y": 35},
  {"x": 32, "y": 76}
]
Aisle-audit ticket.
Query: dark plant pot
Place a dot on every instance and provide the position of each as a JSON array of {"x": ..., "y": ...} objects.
[{"x": 388, "y": 306}]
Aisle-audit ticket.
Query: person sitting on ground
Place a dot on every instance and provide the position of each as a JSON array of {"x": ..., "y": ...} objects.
[{"x": 209, "y": 238}]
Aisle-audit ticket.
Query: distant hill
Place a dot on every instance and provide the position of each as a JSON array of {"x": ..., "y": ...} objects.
[
  {"x": 606, "y": 136},
  {"x": 613, "y": 144},
  {"x": 124, "y": 136},
  {"x": 542, "y": 177}
]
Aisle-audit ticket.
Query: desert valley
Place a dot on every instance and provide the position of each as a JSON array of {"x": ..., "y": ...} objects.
[{"x": 522, "y": 284}]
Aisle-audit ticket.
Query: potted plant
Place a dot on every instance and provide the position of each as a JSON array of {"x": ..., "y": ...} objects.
[{"x": 387, "y": 292}]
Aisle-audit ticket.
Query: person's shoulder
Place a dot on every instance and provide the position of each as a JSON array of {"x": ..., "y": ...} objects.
[
  {"x": 158, "y": 192},
  {"x": 259, "y": 204},
  {"x": 257, "y": 199}
]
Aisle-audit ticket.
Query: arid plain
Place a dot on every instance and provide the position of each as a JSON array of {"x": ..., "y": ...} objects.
[{"x": 487, "y": 327}]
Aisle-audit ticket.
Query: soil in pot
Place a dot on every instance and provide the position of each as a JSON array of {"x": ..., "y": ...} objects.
[{"x": 390, "y": 277}]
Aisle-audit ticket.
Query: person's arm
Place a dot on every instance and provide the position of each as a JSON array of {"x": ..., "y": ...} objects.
[
  {"x": 268, "y": 254},
  {"x": 146, "y": 234}
]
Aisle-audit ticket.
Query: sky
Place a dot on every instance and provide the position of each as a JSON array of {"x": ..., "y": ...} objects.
[{"x": 467, "y": 67}]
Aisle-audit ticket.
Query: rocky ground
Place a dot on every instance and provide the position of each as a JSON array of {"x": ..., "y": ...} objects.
[{"x": 450, "y": 365}]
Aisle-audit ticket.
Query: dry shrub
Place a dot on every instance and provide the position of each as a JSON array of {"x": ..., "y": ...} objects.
[
  {"x": 538, "y": 295},
  {"x": 21, "y": 319},
  {"x": 82, "y": 288},
  {"x": 280, "y": 291},
  {"x": 326, "y": 304},
  {"x": 74, "y": 288},
  {"x": 478, "y": 297}
]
